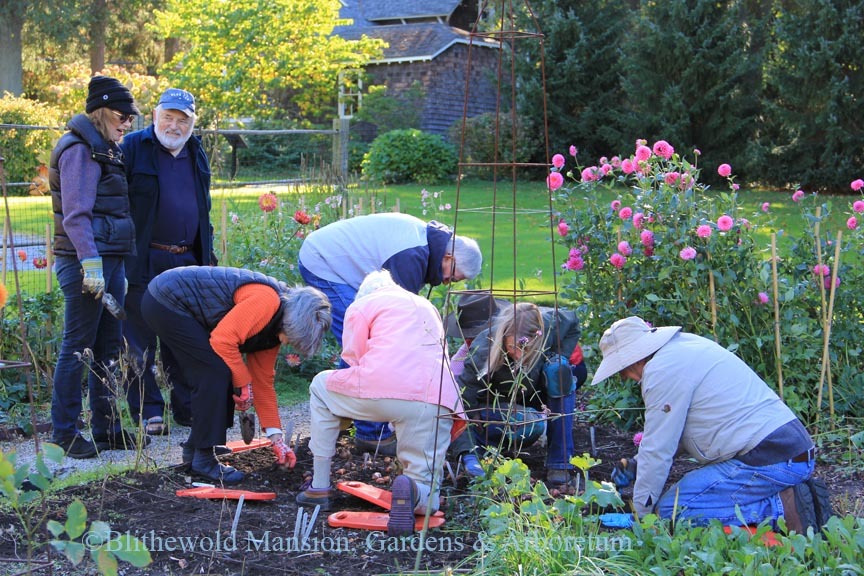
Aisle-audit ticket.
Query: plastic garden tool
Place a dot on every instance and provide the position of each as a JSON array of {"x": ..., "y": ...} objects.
[
  {"x": 212, "y": 492},
  {"x": 373, "y": 520},
  {"x": 624, "y": 472}
]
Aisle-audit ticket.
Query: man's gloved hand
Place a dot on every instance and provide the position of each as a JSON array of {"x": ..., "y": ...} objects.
[
  {"x": 243, "y": 397},
  {"x": 284, "y": 455},
  {"x": 624, "y": 472},
  {"x": 93, "y": 282}
]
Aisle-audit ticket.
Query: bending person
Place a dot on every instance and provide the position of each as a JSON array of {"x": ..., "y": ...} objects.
[
  {"x": 517, "y": 372},
  {"x": 212, "y": 316},
  {"x": 397, "y": 372},
  {"x": 336, "y": 259}
]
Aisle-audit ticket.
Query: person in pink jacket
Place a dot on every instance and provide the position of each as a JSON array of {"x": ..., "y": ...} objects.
[{"x": 397, "y": 372}]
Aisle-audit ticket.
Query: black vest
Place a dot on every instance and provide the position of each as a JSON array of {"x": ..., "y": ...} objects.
[
  {"x": 113, "y": 229},
  {"x": 207, "y": 294}
]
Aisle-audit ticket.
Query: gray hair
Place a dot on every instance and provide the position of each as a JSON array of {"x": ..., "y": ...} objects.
[
  {"x": 306, "y": 319},
  {"x": 468, "y": 257},
  {"x": 161, "y": 108},
  {"x": 374, "y": 281}
]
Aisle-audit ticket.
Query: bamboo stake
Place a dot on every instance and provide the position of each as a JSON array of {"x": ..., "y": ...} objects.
[
  {"x": 825, "y": 356},
  {"x": 713, "y": 300},
  {"x": 372, "y": 205},
  {"x": 620, "y": 286},
  {"x": 223, "y": 236},
  {"x": 5, "y": 250},
  {"x": 48, "y": 285},
  {"x": 396, "y": 208},
  {"x": 359, "y": 211},
  {"x": 777, "y": 345}
]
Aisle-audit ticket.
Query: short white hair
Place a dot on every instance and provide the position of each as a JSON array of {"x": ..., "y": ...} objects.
[
  {"x": 375, "y": 281},
  {"x": 161, "y": 108}
]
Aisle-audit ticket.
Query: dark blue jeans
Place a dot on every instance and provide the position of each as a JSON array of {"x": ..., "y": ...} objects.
[
  {"x": 87, "y": 325},
  {"x": 341, "y": 296},
  {"x": 142, "y": 343}
]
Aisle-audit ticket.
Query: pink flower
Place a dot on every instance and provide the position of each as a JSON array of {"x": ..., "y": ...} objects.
[
  {"x": 725, "y": 223},
  {"x": 625, "y": 213},
  {"x": 736, "y": 187},
  {"x": 22, "y": 255},
  {"x": 628, "y": 166},
  {"x": 40, "y": 262},
  {"x": 671, "y": 178},
  {"x": 573, "y": 150},
  {"x": 857, "y": 184},
  {"x": 624, "y": 248},
  {"x": 637, "y": 438},
  {"x": 704, "y": 231},
  {"x": 563, "y": 228},
  {"x": 637, "y": 219},
  {"x": 268, "y": 202},
  {"x": 798, "y": 195},
  {"x": 649, "y": 251},
  {"x": 827, "y": 282},
  {"x": 554, "y": 181},
  {"x": 821, "y": 270},
  {"x": 852, "y": 223},
  {"x": 642, "y": 153},
  {"x": 574, "y": 263},
  {"x": 302, "y": 218},
  {"x": 616, "y": 161},
  {"x": 697, "y": 152},
  {"x": 605, "y": 169},
  {"x": 292, "y": 360},
  {"x": 688, "y": 253},
  {"x": 763, "y": 298},
  {"x": 589, "y": 174},
  {"x": 724, "y": 170},
  {"x": 766, "y": 206},
  {"x": 663, "y": 149},
  {"x": 618, "y": 260},
  {"x": 615, "y": 205},
  {"x": 647, "y": 238},
  {"x": 858, "y": 206},
  {"x": 558, "y": 160}
]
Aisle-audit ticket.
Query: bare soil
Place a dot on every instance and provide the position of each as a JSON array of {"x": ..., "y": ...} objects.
[{"x": 193, "y": 536}]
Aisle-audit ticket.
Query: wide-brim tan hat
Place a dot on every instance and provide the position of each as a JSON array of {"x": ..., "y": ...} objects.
[{"x": 626, "y": 342}]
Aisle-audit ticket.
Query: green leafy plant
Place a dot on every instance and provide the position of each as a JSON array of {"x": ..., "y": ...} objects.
[
  {"x": 106, "y": 548},
  {"x": 409, "y": 155},
  {"x": 24, "y": 149}
]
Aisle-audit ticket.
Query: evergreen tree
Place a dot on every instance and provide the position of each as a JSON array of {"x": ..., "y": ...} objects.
[
  {"x": 813, "y": 130},
  {"x": 689, "y": 74}
]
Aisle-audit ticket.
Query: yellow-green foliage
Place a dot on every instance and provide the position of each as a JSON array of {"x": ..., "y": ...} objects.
[
  {"x": 68, "y": 91},
  {"x": 25, "y": 150}
]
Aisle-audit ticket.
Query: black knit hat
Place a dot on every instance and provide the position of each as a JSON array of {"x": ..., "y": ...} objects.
[{"x": 106, "y": 92}]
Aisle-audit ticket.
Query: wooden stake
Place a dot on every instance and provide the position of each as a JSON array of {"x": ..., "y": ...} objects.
[
  {"x": 5, "y": 249},
  {"x": 777, "y": 346},
  {"x": 830, "y": 316},
  {"x": 396, "y": 207},
  {"x": 713, "y": 301},
  {"x": 223, "y": 237},
  {"x": 48, "y": 285}
]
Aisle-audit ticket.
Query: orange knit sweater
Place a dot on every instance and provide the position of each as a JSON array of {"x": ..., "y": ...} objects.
[{"x": 254, "y": 306}]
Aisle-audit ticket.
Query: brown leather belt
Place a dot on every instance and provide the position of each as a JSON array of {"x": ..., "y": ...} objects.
[
  {"x": 172, "y": 248},
  {"x": 806, "y": 456}
]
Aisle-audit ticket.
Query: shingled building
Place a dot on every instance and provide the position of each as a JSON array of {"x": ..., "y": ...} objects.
[{"x": 428, "y": 41}]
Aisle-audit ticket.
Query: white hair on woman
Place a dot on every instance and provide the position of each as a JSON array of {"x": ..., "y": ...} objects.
[{"x": 375, "y": 281}]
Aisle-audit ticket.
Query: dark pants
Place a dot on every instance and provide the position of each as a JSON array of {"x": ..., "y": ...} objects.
[
  {"x": 86, "y": 325},
  {"x": 142, "y": 348},
  {"x": 205, "y": 371}
]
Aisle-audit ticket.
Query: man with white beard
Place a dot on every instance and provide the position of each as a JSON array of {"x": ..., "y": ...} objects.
[{"x": 169, "y": 192}]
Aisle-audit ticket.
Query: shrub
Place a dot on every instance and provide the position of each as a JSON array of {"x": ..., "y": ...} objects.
[
  {"x": 668, "y": 251},
  {"x": 26, "y": 150},
  {"x": 401, "y": 156}
]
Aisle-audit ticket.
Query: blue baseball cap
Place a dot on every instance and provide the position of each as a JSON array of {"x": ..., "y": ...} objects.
[{"x": 177, "y": 99}]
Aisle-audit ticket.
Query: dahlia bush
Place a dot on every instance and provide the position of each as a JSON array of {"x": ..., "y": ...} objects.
[{"x": 671, "y": 252}]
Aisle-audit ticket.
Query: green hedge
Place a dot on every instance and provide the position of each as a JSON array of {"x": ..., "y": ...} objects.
[{"x": 25, "y": 150}]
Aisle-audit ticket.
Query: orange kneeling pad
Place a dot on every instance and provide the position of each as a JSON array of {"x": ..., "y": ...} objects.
[
  {"x": 219, "y": 493},
  {"x": 373, "y": 520},
  {"x": 240, "y": 446}
]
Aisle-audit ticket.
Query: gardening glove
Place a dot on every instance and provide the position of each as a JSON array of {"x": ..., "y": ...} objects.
[
  {"x": 93, "y": 282},
  {"x": 616, "y": 520},
  {"x": 284, "y": 455},
  {"x": 624, "y": 472},
  {"x": 243, "y": 397}
]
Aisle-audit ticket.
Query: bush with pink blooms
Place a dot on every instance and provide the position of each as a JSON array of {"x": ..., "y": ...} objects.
[{"x": 694, "y": 260}]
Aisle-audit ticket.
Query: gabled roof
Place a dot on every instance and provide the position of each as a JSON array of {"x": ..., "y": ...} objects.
[
  {"x": 422, "y": 39},
  {"x": 377, "y": 10}
]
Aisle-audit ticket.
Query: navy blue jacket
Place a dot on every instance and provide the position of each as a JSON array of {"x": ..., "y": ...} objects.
[{"x": 139, "y": 155}]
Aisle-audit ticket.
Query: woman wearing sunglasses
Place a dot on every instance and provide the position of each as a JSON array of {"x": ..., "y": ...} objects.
[{"x": 93, "y": 231}]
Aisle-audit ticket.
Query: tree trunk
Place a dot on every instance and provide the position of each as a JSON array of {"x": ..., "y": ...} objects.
[
  {"x": 172, "y": 46},
  {"x": 97, "y": 36},
  {"x": 11, "y": 74}
]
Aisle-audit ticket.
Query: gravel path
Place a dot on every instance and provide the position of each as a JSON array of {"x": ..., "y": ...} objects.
[{"x": 163, "y": 450}]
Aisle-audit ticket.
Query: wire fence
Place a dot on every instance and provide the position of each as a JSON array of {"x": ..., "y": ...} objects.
[{"x": 238, "y": 158}]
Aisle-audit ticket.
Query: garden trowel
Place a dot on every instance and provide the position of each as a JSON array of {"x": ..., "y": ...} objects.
[{"x": 247, "y": 426}]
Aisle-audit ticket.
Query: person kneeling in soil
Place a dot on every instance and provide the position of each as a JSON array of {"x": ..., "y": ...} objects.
[
  {"x": 397, "y": 372},
  {"x": 757, "y": 456},
  {"x": 211, "y": 316},
  {"x": 518, "y": 384}
]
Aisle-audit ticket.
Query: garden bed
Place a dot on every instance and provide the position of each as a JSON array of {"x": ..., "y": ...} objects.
[{"x": 192, "y": 536}]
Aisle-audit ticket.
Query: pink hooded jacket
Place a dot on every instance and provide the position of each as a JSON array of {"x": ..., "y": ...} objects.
[{"x": 394, "y": 344}]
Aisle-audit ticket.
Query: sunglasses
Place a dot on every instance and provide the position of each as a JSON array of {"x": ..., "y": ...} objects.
[{"x": 123, "y": 118}]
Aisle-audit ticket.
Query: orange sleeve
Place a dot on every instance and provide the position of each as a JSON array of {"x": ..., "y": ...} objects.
[{"x": 254, "y": 306}]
